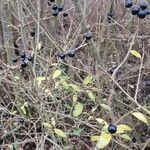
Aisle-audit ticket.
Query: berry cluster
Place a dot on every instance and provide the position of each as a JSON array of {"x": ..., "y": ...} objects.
[
  {"x": 141, "y": 11},
  {"x": 56, "y": 9},
  {"x": 71, "y": 53},
  {"x": 23, "y": 59}
]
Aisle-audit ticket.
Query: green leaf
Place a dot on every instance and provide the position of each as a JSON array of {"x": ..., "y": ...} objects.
[
  {"x": 91, "y": 95},
  {"x": 75, "y": 88},
  {"x": 56, "y": 74},
  {"x": 60, "y": 133},
  {"x": 47, "y": 125},
  {"x": 106, "y": 107},
  {"x": 75, "y": 98},
  {"x": 140, "y": 116},
  {"x": 136, "y": 53},
  {"x": 78, "y": 108},
  {"x": 101, "y": 121},
  {"x": 78, "y": 131},
  {"x": 103, "y": 140},
  {"x": 126, "y": 137},
  {"x": 88, "y": 80},
  {"x": 121, "y": 128},
  {"x": 95, "y": 138}
]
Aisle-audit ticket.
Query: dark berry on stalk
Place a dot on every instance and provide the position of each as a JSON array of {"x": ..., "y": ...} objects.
[
  {"x": 112, "y": 128},
  {"x": 32, "y": 34},
  {"x": 128, "y": 3},
  {"x": 30, "y": 58},
  {"x": 61, "y": 56},
  {"x": 88, "y": 35},
  {"x": 135, "y": 10},
  {"x": 65, "y": 14},
  {"x": 52, "y": 0},
  {"x": 55, "y": 13},
  {"x": 142, "y": 14},
  {"x": 54, "y": 7},
  {"x": 148, "y": 12},
  {"x": 23, "y": 55},
  {"x": 71, "y": 53},
  {"x": 143, "y": 6},
  {"x": 15, "y": 59},
  {"x": 60, "y": 8},
  {"x": 23, "y": 64}
]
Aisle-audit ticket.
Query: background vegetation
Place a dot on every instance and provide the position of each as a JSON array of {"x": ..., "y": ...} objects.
[{"x": 65, "y": 104}]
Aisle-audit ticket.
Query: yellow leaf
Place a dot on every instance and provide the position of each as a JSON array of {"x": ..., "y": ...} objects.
[
  {"x": 88, "y": 80},
  {"x": 140, "y": 116},
  {"x": 75, "y": 88},
  {"x": 136, "y": 53},
  {"x": 103, "y": 140},
  {"x": 10, "y": 147},
  {"x": 56, "y": 74},
  {"x": 41, "y": 78},
  {"x": 75, "y": 98},
  {"x": 95, "y": 138},
  {"x": 121, "y": 128},
  {"x": 91, "y": 95},
  {"x": 60, "y": 133},
  {"x": 26, "y": 104},
  {"x": 78, "y": 108},
  {"x": 101, "y": 121},
  {"x": 53, "y": 121},
  {"x": 47, "y": 125},
  {"x": 23, "y": 109},
  {"x": 126, "y": 137},
  {"x": 106, "y": 107}
]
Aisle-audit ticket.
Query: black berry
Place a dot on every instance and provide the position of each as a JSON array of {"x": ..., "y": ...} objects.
[
  {"x": 143, "y": 6},
  {"x": 54, "y": 7},
  {"x": 23, "y": 55},
  {"x": 88, "y": 35},
  {"x": 30, "y": 58},
  {"x": 128, "y": 3},
  {"x": 60, "y": 8},
  {"x": 148, "y": 12},
  {"x": 71, "y": 53},
  {"x": 142, "y": 14},
  {"x": 135, "y": 10},
  {"x": 52, "y": 0},
  {"x": 23, "y": 64},
  {"x": 32, "y": 34},
  {"x": 15, "y": 60},
  {"x": 61, "y": 56},
  {"x": 55, "y": 13},
  {"x": 65, "y": 14},
  {"x": 112, "y": 128}
]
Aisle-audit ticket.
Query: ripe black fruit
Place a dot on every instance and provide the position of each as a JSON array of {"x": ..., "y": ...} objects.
[
  {"x": 55, "y": 13},
  {"x": 71, "y": 53},
  {"x": 23, "y": 64},
  {"x": 142, "y": 14},
  {"x": 54, "y": 7},
  {"x": 65, "y": 14},
  {"x": 23, "y": 55},
  {"x": 15, "y": 60},
  {"x": 128, "y": 3},
  {"x": 61, "y": 56},
  {"x": 30, "y": 58},
  {"x": 112, "y": 128},
  {"x": 60, "y": 8},
  {"x": 52, "y": 0},
  {"x": 135, "y": 10},
  {"x": 143, "y": 6},
  {"x": 148, "y": 12},
  {"x": 88, "y": 35},
  {"x": 32, "y": 34}
]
